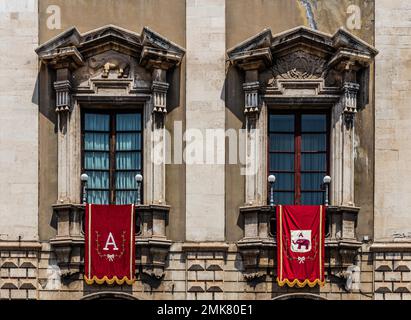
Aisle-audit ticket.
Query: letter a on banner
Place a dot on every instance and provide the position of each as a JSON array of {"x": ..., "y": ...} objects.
[
  {"x": 300, "y": 245},
  {"x": 110, "y": 244}
]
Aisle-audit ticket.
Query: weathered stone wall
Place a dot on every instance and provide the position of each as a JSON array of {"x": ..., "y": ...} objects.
[
  {"x": 190, "y": 274},
  {"x": 393, "y": 120},
  {"x": 18, "y": 121},
  {"x": 19, "y": 271},
  {"x": 205, "y": 110},
  {"x": 392, "y": 275}
]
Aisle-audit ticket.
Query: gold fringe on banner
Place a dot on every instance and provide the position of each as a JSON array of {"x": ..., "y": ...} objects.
[
  {"x": 107, "y": 280},
  {"x": 300, "y": 284}
]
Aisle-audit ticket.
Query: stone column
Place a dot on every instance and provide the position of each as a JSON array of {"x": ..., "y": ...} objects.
[
  {"x": 342, "y": 147},
  {"x": 205, "y": 109},
  {"x": 63, "y": 108},
  {"x": 159, "y": 89},
  {"x": 255, "y": 135}
]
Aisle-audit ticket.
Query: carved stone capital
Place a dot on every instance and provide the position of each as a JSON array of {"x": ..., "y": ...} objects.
[
  {"x": 159, "y": 90},
  {"x": 252, "y": 99},
  {"x": 350, "y": 101},
  {"x": 341, "y": 243},
  {"x": 63, "y": 96}
]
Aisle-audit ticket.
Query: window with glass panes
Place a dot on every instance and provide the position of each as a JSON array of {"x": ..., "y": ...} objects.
[
  {"x": 298, "y": 156},
  {"x": 112, "y": 155}
]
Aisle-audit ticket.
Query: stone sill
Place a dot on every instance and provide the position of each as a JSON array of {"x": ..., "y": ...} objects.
[
  {"x": 207, "y": 246},
  {"x": 391, "y": 247},
  {"x": 20, "y": 245}
]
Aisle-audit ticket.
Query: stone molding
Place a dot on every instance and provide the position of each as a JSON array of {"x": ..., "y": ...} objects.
[
  {"x": 302, "y": 66},
  {"x": 110, "y": 66}
]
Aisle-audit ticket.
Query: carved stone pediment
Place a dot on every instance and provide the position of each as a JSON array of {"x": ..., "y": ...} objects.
[
  {"x": 110, "y": 63},
  {"x": 104, "y": 39},
  {"x": 294, "y": 58}
]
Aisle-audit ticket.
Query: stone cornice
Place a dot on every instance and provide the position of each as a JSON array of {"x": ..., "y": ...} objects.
[
  {"x": 71, "y": 48},
  {"x": 336, "y": 48},
  {"x": 391, "y": 246},
  {"x": 20, "y": 245}
]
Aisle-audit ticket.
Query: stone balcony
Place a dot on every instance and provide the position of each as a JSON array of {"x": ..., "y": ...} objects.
[
  {"x": 258, "y": 246},
  {"x": 152, "y": 246}
]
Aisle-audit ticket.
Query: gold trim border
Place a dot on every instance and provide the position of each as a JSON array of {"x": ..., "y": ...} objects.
[
  {"x": 107, "y": 280},
  {"x": 300, "y": 284}
]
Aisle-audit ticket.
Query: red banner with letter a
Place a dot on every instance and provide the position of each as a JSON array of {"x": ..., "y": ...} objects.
[
  {"x": 110, "y": 244},
  {"x": 300, "y": 245}
]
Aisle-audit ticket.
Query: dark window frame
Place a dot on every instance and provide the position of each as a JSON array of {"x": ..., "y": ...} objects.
[
  {"x": 112, "y": 112},
  {"x": 298, "y": 147}
]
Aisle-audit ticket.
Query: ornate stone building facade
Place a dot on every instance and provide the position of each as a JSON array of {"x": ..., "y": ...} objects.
[{"x": 206, "y": 229}]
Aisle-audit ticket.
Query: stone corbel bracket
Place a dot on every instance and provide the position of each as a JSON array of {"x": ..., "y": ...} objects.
[
  {"x": 257, "y": 247},
  {"x": 68, "y": 244},
  {"x": 341, "y": 244},
  {"x": 152, "y": 245}
]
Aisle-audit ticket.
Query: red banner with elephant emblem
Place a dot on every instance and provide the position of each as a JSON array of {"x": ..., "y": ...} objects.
[
  {"x": 110, "y": 244},
  {"x": 300, "y": 245}
]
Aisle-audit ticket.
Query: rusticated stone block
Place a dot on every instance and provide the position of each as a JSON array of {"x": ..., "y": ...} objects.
[
  {"x": 205, "y": 276},
  {"x": 403, "y": 266},
  {"x": 9, "y": 285},
  {"x": 406, "y": 296},
  {"x": 18, "y": 294},
  {"x": 218, "y": 275},
  {"x": 379, "y": 296},
  {"x": 406, "y": 276},
  {"x": 196, "y": 289},
  {"x": 196, "y": 266},
  {"x": 191, "y": 276},
  {"x": 27, "y": 286},
  {"x": 392, "y": 296},
  {"x": 9, "y": 264},
  {"x": 27, "y": 265},
  {"x": 401, "y": 288},
  {"x": 379, "y": 256},
  {"x": 393, "y": 256},
  {"x": 18, "y": 254},
  {"x": 406, "y": 256},
  {"x": 214, "y": 267},
  {"x": 18, "y": 273},
  {"x": 231, "y": 276},
  {"x": 4, "y": 294},
  {"x": 379, "y": 276},
  {"x": 214, "y": 289},
  {"x": 392, "y": 276},
  {"x": 383, "y": 287},
  {"x": 383, "y": 265},
  {"x": 4, "y": 273},
  {"x": 366, "y": 277}
]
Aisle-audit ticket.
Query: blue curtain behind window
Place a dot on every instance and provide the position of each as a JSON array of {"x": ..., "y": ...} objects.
[
  {"x": 282, "y": 148},
  {"x": 128, "y": 156},
  {"x": 96, "y": 156},
  {"x": 313, "y": 157}
]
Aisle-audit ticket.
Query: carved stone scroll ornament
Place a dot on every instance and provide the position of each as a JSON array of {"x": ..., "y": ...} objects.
[{"x": 298, "y": 65}]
